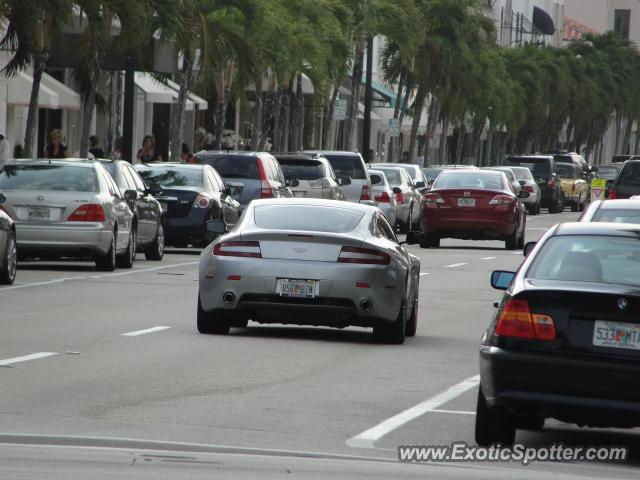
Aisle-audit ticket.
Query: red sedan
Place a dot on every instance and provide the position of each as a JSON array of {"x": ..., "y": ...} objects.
[{"x": 473, "y": 205}]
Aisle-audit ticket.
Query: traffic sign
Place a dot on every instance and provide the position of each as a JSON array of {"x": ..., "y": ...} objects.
[
  {"x": 340, "y": 110},
  {"x": 598, "y": 187},
  {"x": 394, "y": 127}
]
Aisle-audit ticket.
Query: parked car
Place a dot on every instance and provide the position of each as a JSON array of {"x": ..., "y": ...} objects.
[
  {"x": 249, "y": 175},
  {"x": 543, "y": 169},
  {"x": 431, "y": 172},
  {"x": 190, "y": 195},
  {"x": 148, "y": 217},
  {"x": 309, "y": 262},
  {"x": 68, "y": 208},
  {"x": 350, "y": 164},
  {"x": 613, "y": 211},
  {"x": 515, "y": 184},
  {"x": 8, "y": 248},
  {"x": 574, "y": 187},
  {"x": 473, "y": 205},
  {"x": 313, "y": 175},
  {"x": 582, "y": 168},
  {"x": 528, "y": 183},
  {"x": 415, "y": 172},
  {"x": 609, "y": 173},
  {"x": 627, "y": 183},
  {"x": 385, "y": 195},
  {"x": 564, "y": 342},
  {"x": 408, "y": 198}
]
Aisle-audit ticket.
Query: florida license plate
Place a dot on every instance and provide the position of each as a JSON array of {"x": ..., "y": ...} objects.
[
  {"x": 466, "y": 202},
  {"x": 616, "y": 335},
  {"x": 39, "y": 214},
  {"x": 288, "y": 287}
]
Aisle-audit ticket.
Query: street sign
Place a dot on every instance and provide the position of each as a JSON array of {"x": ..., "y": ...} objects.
[
  {"x": 598, "y": 187},
  {"x": 394, "y": 127},
  {"x": 340, "y": 110}
]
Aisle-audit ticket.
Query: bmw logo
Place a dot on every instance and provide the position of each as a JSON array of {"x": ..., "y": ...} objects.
[{"x": 623, "y": 304}]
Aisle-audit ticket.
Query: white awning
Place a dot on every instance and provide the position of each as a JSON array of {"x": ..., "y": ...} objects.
[
  {"x": 158, "y": 92},
  {"x": 53, "y": 94},
  {"x": 193, "y": 98}
]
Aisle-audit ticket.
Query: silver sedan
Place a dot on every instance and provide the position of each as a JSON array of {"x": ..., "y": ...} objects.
[
  {"x": 68, "y": 208},
  {"x": 309, "y": 262}
]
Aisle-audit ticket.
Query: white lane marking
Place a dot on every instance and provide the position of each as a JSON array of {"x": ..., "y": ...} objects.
[
  {"x": 26, "y": 358},
  {"x": 145, "y": 331},
  {"x": 456, "y": 265},
  {"x": 107, "y": 275},
  {"x": 423, "y": 274},
  {"x": 516, "y": 253},
  {"x": 367, "y": 438},
  {"x": 488, "y": 258},
  {"x": 454, "y": 412}
]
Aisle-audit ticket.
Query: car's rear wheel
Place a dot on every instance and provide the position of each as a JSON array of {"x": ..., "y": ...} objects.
[
  {"x": 392, "y": 333},
  {"x": 511, "y": 243},
  {"x": 107, "y": 262},
  {"x": 208, "y": 322},
  {"x": 129, "y": 256},
  {"x": 10, "y": 264},
  {"x": 430, "y": 240},
  {"x": 155, "y": 251},
  {"x": 493, "y": 425}
]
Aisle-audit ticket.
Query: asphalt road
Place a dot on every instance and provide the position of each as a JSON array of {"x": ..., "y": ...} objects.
[{"x": 89, "y": 359}]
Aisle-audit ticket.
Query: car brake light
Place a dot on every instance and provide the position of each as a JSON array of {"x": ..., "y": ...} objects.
[
  {"x": 238, "y": 249},
  {"x": 551, "y": 183},
  {"x": 432, "y": 200},
  {"x": 400, "y": 197},
  {"x": 516, "y": 320},
  {"x": 201, "y": 201},
  {"x": 365, "y": 195},
  {"x": 363, "y": 256},
  {"x": 501, "y": 200},
  {"x": 613, "y": 194},
  {"x": 89, "y": 212},
  {"x": 529, "y": 188},
  {"x": 267, "y": 189},
  {"x": 383, "y": 198}
]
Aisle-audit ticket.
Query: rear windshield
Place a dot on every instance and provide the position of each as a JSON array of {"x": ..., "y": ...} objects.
[
  {"x": 347, "y": 166},
  {"x": 171, "y": 176},
  {"x": 471, "y": 180},
  {"x": 630, "y": 174},
  {"x": 508, "y": 173},
  {"x": 540, "y": 167},
  {"x": 49, "y": 177},
  {"x": 307, "y": 218},
  {"x": 522, "y": 173},
  {"x": 432, "y": 173},
  {"x": 393, "y": 176},
  {"x": 589, "y": 258},
  {"x": 608, "y": 173},
  {"x": 617, "y": 215},
  {"x": 566, "y": 171},
  {"x": 233, "y": 166},
  {"x": 302, "y": 169}
]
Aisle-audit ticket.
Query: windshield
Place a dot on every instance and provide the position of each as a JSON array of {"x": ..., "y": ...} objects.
[
  {"x": 347, "y": 166},
  {"x": 589, "y": 259},
  {"x": 471, "y": 180},
  {"x": 171, "y": 176},
  {"x": 566, "y": 171},
  {"x": 49, "y": 177},
  {"x": 608, "y": 173},
  {"x": 233, "y": 166},
  {"x": 617, "y": 215},
  {"x": 522, "y": 173},
  {"x": 307, "y": 218},
  {"x": 302, "y": 169},
  {"x": 432, "y": 173},
  {"x": 630, "y": 174},
  {"x": 539, "y": 167},
  {"x": 393, "y": 176}
]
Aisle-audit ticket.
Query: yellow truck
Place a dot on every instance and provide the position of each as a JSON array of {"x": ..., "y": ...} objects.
[{"x": 575, "y": 189}]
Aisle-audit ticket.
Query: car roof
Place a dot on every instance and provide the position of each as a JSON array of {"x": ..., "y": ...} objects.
[
  {"x": 78, "y": 162},
  {"x": 566, "y": 164},
  {"x": 232, "y": 152},
  {"x": 333, "y": 152},
  {"x": 359, "y": 207},
  {"x": 297, "y": 156},
  {"x": 620, "y": 204},
  {"x": 390, "y": 164},
  {"x": 540, "y": 157},
  {"x": 460, "y": 171},
  {"x": 190, "y": 166},
  {"x": 598, "y": 228}
]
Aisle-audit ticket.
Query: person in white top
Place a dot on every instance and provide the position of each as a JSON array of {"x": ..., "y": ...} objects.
[{"x": 5, "y": 150}]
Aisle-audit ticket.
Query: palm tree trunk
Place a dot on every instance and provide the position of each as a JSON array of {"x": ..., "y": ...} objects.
[
  {"x": 462, "y": 133},
  {"x": 351, "y": 133},
  {"x": 277, "y": 119},
  {"x": 617, "y": 133},
  {"x": 396, "y": 112},
  {"x": 328, "y": 119},
  {"x": 434, "y": 114},
  {"x": 300, "y": 114},
  {"x": 626, "y": 148},
  {"x": 179, "y": 116},
  {"x": 224, "y": 93},
  {"x": 287, "y": 117},
  {"x": 32, "y": 115},
  {"x": 256, "y": 126},
  {"x": 636, "y": 147},
  {"x": 87, "y": 110},
  {"x": 418, "y": 106},
  {"x": 443, "y": 141}
]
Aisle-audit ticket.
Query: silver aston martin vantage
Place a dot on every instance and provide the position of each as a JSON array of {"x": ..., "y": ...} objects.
[{"x": 309, "y": 262}]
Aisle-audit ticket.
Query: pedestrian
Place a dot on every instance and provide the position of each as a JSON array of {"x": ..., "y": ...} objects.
[
  {"x": 186, "y": 156},
  {"x": 148, "y": 151},
  {"x": 56, "y": 149},
  {"x": 18, "y": 151},
  {"x": 94, "y": 147},
  {"x": 116, "y": 153},
  {"x": 5, "y": 150}
]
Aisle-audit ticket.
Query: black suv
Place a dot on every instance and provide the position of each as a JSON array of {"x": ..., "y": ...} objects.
[
  {"x": 543, "y": 169},
  {"x": 627, "y": 183}
]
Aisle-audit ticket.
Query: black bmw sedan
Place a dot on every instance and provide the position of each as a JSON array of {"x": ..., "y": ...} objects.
[{"x": 565, "y": 339}]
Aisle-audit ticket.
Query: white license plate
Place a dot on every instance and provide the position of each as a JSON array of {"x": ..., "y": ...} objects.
[
  {"x": 39, "y": 214},
  {"x": 466, "y": 202},
  {"x": 288, "y": 287},
  {"x": 616, "y": 335}
]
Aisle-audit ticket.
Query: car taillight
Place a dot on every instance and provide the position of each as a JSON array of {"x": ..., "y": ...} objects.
[
  {"x": 529, "y": 188},
  {"x": 238, "y": 249},
  {"x": 501, "y": 200},
  {"x": 432, "y": 200},
  {"x": 613, "y": 194},
  {"x": 363, "y": 256},
  {"x": 551, "y": 183},
  {"x": 400, "y": 197},
  {"x": 201, "y": 201},
  {"x": 365, "y": 195},
  {"x": 88, "y": 212},
  {"x": 383, "y": 198},
  {"x": 267, "y": 189},
  {"x": 516, "y": 320}
]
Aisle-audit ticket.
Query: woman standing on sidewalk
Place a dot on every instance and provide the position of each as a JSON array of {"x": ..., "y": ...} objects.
[{"x": 56, "y": 149}]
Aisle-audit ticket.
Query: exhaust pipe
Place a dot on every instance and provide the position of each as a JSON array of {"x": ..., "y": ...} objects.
[
  {"x": 366, "y": 305},
  {"x": 228, "y": 297}
]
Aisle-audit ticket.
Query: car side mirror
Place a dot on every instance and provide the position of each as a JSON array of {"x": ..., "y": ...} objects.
[
  {"x": 523, "y": 194},
  {"x": 420, "y": 184},
  {"x": 216, "y": 227},
  {"x": 396, "y": 190},
  {"x": 375, "y": 179},
  {"x": 154, "y": 189},
  {"x": 522, "y": 183},
  {"x": 344, "y": 181},
  {"x": 130, "y": 195},
  {"x": 529, "y": 246},
  {"x": 292, "y": 182},
  {"x": 500, "y": 279}
]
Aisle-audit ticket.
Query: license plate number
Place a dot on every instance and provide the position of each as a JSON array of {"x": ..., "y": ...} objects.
[
  {"x": 466, "y": 202},
  {"x": 616, "y": 335},
  {"x": 39, "y": 214},
  {"x": 288, "y": 287}
]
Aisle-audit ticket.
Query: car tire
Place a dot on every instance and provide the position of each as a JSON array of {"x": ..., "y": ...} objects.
[
  {"x": 430, "y": 240},
  {"x": 534, "y": 209},
  {"x": 511, "y": 242},
  {"x": 208, "y": 323},
  {"x": 10, "y": 264},
  {"x": 107, "y": 262},
  {"x": 412, "y": 323},
  {"x": 530, "y": 423},
  {"x": 493, "y": 425},
  {"x": 575, "y": 207},
  {"x": 155, "y": 251},
  {"x": 391, "y": 333},
  {"x": 521, "y": 238},
  {"x": 127, "y": 259}
]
